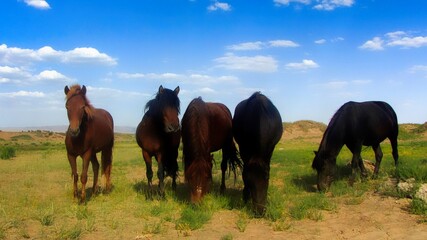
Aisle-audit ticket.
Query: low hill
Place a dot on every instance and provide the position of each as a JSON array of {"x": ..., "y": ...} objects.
[{"x": 303, "y": 130}]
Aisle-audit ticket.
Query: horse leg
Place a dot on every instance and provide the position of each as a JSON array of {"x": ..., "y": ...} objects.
[
  {"x": 107, "y": 160},
  {"x": 246, "y": 191},
  {"x": 378, "y": 157},
  {"x": 225, "y": 158},
  {"x": 86, "y": 159},
  {"x": 95, "y": 168},
  {"x": 149, "y": 171},
  {"x": 355, "y": 162},
  {"x": 395, "y": 152},
  {"x": 74, "y": 174},
  {"x": 160, "y": 175}
]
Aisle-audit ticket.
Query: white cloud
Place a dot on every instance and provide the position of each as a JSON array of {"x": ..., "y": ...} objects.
[
  {"x": 51, "y": 75},
  {"x": 326, "y": 5},
  {"x": 206, "y": 90},
  {"x": 395, "y": 39},
  {"x": 304, "y": 65},
  {"x": 23, "y": 94},
  {"x": 329, "y": 5},
  {"x": 320, "y": 41},
  {"x": 287, "y": 2},
  {"x": 246, "y": 46},
  {"x": 40, "y": 4},
  {"x": 164, "y": 76},
  {"x": 375, "y": 44},
  {"x": 14, "y": 55},
  {"x": 195, "y": 79},
  {"x": 419, "y": 68},
  {"x": 409, "y": 42},
  {"x": 219, "y": 6},
  {"x": 13, "y": 72},
  {"x": 259, "y": 45},
  {"x": 21, "y": 76},
  {"x": 282, "y": 43},
  {"x": 245, "y": 63},
  {"x": 422, "y": 69}
]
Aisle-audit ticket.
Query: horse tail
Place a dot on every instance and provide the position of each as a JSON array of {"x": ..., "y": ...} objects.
[{"x": 235, "y": 162}]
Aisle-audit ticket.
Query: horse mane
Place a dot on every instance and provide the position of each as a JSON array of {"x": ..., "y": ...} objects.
[
  {"x": 193, "y": 121},
  {"x": 163, "y": 98},
  {"x": 333, "y": 122},
  {"x": 76, "y": 90}
]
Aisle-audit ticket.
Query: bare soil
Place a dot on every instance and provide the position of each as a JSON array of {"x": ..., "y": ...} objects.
[{"x": 377, "y": 217}]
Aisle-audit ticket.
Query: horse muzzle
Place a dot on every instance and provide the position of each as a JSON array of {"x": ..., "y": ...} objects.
[
  {"x": 170, "y": 128},
  {"x": 73, "y": 132}
]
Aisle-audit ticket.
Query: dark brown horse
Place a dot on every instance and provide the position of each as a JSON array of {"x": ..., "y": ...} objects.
[
  {"x": 257, "y": 128},
  {"x": 355, "y": 124},
  {"x": 91, "y": 130},
  {"x": 158, "y": 134},
  {"x": 206, "y": 128}
]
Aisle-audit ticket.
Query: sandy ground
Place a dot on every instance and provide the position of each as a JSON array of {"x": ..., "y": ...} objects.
[{"x": 377, "y": 217}]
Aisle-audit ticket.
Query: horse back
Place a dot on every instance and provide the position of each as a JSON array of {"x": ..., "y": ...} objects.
[
  {"x": 257, "y": 126},
  {"x": 220, "y": 125},
  {"x": 371, "y": 121}
]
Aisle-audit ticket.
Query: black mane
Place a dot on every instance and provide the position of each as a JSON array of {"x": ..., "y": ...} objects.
[{"x": 164, "y": 98}]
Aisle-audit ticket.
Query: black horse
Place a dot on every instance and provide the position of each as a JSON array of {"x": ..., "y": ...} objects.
[
  {"x": 355, "y": 124},
  {"x": 257, "y": 128}
]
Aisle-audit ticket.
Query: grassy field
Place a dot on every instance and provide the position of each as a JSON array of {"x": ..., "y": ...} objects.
[{"x": 36, "y": 189}]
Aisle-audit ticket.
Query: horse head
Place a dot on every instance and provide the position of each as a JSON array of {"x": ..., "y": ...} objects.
[
  {"x": 170, "y": 108},
  {"x": 256, "y": 176},
  {"x": 199, "y": 178},
  {"x": 77, "y": 108},
  {"x": 325, "y": 165}
]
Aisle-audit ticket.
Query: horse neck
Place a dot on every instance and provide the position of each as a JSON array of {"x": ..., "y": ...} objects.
[
  {"x": 156, "y": 116},
  {"x": 332, "y": 141}
]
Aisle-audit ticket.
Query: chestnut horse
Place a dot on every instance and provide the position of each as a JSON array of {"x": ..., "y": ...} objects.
[
  {"x": 206, "y": 128},
  {"x": 158, "y": 134},
  {"x": 257, "y": 128},
  {"x": 91, "y": 130}
]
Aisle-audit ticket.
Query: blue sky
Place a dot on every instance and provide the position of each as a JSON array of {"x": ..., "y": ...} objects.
[{"x": 308, "y": 56}]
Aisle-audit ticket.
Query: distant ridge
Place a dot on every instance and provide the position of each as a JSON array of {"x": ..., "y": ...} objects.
[{"x": 61, "y": 129}]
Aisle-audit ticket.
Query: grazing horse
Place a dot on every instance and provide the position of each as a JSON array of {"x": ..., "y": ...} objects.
[
  {"x": 158, "y": 134},
  {"x": 206, "y": 128},
  {"x": 91, "y": 130},
  {"x": 257, "y": 128},
  {"x": 355, "y": 124}
]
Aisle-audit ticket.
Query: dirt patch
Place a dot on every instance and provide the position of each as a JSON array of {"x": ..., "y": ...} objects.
[{"x": 377, "y": 217}]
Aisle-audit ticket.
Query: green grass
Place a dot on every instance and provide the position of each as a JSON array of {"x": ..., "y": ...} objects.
[{"x": 36, "y": 192}]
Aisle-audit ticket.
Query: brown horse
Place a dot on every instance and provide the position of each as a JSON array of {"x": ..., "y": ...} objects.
[
  {"x": 206, "y": 128},
  {"x": 158, "y": 134},
  {"x": 91, "y": 130}
]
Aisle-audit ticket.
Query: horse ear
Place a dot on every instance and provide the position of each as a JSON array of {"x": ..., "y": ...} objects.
[
  {"x": 176, "y": 90},
  {"x": 315, "y": 153},
  {"x": 160, "y": 89},
  {"x": 66, "y": 90},
  {"x": 84, "y": 90}
]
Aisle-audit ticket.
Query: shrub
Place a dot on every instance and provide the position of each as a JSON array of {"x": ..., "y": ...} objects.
[{"x": 7, "y": 152}]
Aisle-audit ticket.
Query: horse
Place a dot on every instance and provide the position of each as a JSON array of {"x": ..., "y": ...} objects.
[
  {"x": 206, "y": 128},
  {"x": 355, "y": 124},
  {"x": 158, "y": 134},
  {"x": 90, "y": 130},
  {"x": 257, "y": 128}
]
